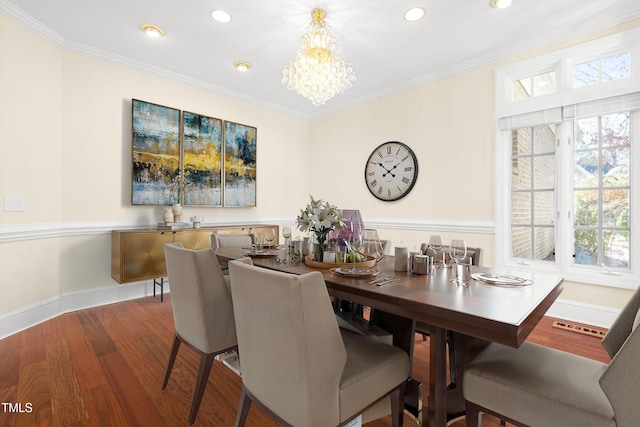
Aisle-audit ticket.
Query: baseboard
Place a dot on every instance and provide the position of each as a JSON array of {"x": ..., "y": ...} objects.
[
  {"x": 34, "y": 314},
  {"x": 588, "y": 314}
]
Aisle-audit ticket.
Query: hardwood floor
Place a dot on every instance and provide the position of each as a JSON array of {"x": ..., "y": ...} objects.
[{"x": 104, "y": 367}]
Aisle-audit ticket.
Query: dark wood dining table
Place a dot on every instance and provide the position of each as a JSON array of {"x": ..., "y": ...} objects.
[{"x": 467, "y": 318}]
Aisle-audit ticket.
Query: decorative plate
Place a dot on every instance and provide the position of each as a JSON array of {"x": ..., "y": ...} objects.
[
  {"x": 354, "y": 272},
  {"x": 259, "y": 254},
  {"x": 267, "y": 246},
  {"x": 501, "y": 279}
]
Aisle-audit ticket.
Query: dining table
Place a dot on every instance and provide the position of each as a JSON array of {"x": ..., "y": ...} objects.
[{"x": 463, "y": 318}]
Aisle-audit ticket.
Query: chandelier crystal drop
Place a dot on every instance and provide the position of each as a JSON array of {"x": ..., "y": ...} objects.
[{"x": 317, "y": 72}]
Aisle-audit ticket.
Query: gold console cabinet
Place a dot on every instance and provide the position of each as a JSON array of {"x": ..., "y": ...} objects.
[{"x": 138, "y": 255}]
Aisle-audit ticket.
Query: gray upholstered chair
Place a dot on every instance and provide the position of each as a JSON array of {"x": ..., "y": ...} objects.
[
  {"x": 539, "y": 386},
  {"x": 473, "y": 254},
  {"x": 296, "y": 363},
  {"x": 202, "y": 311},
  {"x": 232, "y": 240}
]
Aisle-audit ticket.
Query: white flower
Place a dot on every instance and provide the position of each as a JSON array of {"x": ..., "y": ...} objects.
[{"x": 320, "y": 217}]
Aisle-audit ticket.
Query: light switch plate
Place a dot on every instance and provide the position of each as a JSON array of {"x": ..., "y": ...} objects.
[{"x": 15, "y": 204}]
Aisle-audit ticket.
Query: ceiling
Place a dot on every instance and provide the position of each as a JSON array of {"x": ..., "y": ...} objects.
[{"x": 388, "y": 53}]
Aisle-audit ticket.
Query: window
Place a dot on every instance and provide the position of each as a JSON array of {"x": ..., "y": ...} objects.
[
  {"x": 601, "y": 190},
  {"x": 533, "y": 192},
  {"x": 566, "y": 162},
  {"x": 603, "y": 69},
  {"x": 538, "y": 85}
]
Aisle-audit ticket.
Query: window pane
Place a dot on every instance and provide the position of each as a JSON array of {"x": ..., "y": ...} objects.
[
  {"x": 586, "y": 244},
  {"x": 615, "y": 208},
  {"x": 587, "y": 133},
  {"x": 521, "y": 174},
  {"x": 545, "y": 244},
  {"x": 544, "y": 84},
  {"x": 521, "y": 208},
  {"x": 616, "y": 249},
  {"x": 522, "y": 244},
  {"x": 616, "y": 174},
  {"x": 544, "y": 208},
  {"x": 586, "y": 74},
  {"x": 521, "y": 142},
  {"x": 585, "y": 208},
  {"x": 615, "y": 129},
  {"x": 521, "y": 89},
  {"x": 616, "y": 66},
  {"x": 544, "y": 172},
  {"x": 544, "y": 139}
]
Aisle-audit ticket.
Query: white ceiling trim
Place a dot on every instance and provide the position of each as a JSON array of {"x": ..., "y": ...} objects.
[{"x": 45, "y": 32}]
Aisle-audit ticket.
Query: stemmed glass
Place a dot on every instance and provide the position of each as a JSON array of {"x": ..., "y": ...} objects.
[
  {"x": 435, "y": 244},
  {"x": 457, "y": 252},
  {"x": 286, "y": 233},
  {"x": 269, "y": 235},
  {"x": 371, "y": 244}
]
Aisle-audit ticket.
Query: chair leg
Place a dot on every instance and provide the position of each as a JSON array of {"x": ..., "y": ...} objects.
[
  {"x": 243, "y": 408},
  {"x": 172, "y": 358},
  {"x": 206, "y": 361},
  {"x": 397, "y": 405},
  {"x": 474, "y": 416}
]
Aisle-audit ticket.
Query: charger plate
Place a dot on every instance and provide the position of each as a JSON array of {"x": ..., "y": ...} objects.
[
  {"x": 354, "y": 272},
  {"x": 370, "y": 262},
  {"x": 260, "y": 254},
  {"x": 501, "y": 279}
]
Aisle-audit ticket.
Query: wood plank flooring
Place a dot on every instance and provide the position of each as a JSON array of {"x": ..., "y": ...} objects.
[{"x": 104, "y": 367}]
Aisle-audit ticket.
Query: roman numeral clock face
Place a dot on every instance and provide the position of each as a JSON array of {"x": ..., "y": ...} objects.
[{"x": 391, "y": 171}]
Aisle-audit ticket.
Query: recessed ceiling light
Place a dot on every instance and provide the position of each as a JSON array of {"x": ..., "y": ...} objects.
[
  {"x": 221, "y": 16},
  {"x": 152, "y": 30},
  {"x": 242, "y": 65},
  {"x": 414, "y": 14},
  {"x": 500, "y": 4}
]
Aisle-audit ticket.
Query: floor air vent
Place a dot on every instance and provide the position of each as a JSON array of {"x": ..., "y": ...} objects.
[{"x": 586, "y": 330}]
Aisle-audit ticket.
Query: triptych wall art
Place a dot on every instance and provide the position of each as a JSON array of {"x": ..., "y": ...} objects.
[{"x": 188, "y": 158}]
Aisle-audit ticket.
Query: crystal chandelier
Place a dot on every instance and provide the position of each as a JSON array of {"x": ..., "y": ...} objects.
[{"x": 318, "y": 73}]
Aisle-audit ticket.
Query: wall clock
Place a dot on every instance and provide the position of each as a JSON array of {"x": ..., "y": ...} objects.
[{"x": 391, "y": 171}]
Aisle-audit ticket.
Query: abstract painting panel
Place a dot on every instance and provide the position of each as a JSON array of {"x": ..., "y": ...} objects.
[
  {"x": 156, "y": 154},
  {"x": 239, "y": 165},
  {"x": 202, "y": 160}
]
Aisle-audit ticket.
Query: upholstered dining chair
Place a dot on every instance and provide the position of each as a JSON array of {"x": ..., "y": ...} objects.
[
  {"x": 539, "y": 386},
  {"x": 202, "y": 311},
  {"x": 232, "y": 240},
  {"x": 297, "y": 364}
]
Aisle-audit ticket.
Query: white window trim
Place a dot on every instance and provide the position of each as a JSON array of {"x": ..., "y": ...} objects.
[{"x": 519, "y": 113}]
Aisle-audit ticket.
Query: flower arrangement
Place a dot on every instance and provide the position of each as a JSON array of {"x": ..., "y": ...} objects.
[{"x": 320, "y": 218}]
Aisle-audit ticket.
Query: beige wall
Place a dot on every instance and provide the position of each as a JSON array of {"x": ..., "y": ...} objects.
[
  {"x": 449, "y": 124},
  {"x": 65, "y": 123},
  {"x": 30, "y": 162}
]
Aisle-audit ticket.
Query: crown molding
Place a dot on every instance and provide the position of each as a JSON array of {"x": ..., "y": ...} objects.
[{"x": 569, "y": 32}]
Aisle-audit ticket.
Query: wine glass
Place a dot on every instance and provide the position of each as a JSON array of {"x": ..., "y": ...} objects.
[
  {"x": 269, "y": 235},
  {"x": 286, "y": 233},
  {"x": 371, "y": 244},
  {"x": 457, "y": 252},
  {"x": 435, "y": 244}
]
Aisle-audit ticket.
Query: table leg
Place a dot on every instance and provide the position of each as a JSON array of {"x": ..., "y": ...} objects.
[{"x": 437, "y": 410}]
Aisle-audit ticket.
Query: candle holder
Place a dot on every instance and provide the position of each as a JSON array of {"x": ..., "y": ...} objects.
[{"x": 177, "y": 212}]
